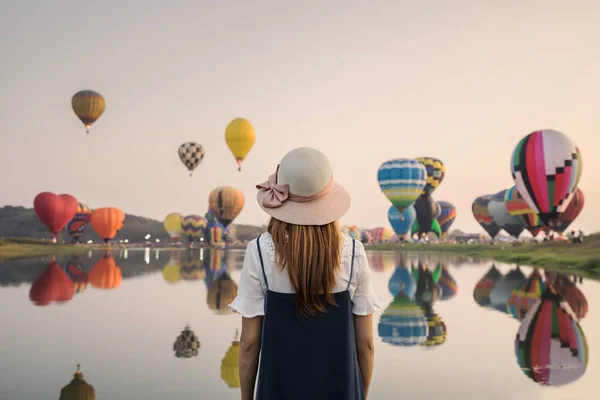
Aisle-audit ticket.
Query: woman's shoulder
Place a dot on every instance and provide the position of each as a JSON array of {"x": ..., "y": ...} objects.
[
  {"x": 267, "y": 248},
  {"x": 347, "y": 245}
]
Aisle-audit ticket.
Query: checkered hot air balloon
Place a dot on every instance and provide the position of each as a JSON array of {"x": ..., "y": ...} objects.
[
  {"x": 435, "y": 173},
  {"x": 191, "y": 155},
  {"x": 402, "y": 181},
  {"x": 187, "y": 344},
  {"x": 546, "y": 167}
]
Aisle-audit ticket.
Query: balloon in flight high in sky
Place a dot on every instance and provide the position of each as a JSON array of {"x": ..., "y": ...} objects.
[
  {"x": 402, "y": 181},
  {"x": 546, "y": 167},
  {"x": 191, "y": 155},
  {"x": 240, "y": 137},
  {"x": 88, "y": 106}
]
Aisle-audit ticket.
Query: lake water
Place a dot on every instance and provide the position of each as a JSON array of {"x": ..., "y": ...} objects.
[{"x": 122, "y": 325}]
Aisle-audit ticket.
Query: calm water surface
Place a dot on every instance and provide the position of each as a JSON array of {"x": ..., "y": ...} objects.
[{"x": 122, "y": 325}]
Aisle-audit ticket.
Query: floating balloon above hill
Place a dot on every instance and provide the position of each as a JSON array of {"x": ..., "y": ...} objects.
[
  {"x": 191, "y": 155},
  {"x": 240, "y": 137},
  {"x": 435, "y": 173},
  {"x": 546, "y": 166},
  {"x": 226, "y": 203},
  {"x": 88, "y": 106},
  {"x": 402, "y": 181},
  {"x": 55, "y": 211}
]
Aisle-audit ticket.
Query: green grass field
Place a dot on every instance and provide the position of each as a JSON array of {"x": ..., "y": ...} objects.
[
  {"x": 558, "y": 255},
  {"x": 11, "y": 249}
]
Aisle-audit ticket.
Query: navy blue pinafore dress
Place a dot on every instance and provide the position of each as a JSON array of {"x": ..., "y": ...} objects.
[{"x": 308, "y": 358}]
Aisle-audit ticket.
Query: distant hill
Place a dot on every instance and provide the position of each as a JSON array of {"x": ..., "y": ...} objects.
[{"x": 23, "y": 222}]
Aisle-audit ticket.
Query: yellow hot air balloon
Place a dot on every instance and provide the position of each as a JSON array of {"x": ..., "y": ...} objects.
[
  {"x": 88, "y": 106},
  {"x": 225, "y": 203},
  {"x": 172, "y": 225},
  {"x": 230, "y": 366},
  {"x": 240, "y": 137}
]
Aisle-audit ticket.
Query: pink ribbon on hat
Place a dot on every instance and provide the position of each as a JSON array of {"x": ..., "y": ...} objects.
[{"x": 277, "y": 194}]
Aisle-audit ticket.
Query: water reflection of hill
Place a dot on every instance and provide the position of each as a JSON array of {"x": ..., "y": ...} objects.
[{"x": 132, "y": 263}]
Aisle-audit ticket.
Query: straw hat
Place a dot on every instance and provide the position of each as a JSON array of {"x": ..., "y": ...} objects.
[{"x": 302, "y": 190}]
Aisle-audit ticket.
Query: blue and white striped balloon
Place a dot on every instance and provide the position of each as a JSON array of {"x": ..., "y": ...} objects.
[{"x": 402, "y": 180}]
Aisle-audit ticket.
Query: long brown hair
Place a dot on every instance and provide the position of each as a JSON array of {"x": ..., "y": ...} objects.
[{"x": 311, "y": 255}]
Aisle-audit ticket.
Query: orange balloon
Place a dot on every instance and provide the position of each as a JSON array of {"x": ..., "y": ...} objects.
[
  {"x": 105, "y": 274},
  {"x": 106, "y": 222},
  {"x": 122, "y": 217}
]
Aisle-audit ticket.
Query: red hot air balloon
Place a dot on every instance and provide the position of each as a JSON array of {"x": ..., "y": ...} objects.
[{"x": 55, "y": 211}]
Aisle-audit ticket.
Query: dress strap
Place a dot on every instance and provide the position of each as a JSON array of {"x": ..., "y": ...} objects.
[
  {"x": 262, "y": 264},
  {"x": 351, "y": 264}
]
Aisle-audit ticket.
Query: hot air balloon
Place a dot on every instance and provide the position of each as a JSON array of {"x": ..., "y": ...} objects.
[
  {"x": 381, "y": 234},
  {"x": 121, "y": 215},
  {"x": 403, "y": 323},
  {"x": 447, "y": 216},
  {"x": 53, "y": 285},
  {"x": 191, "y": 155},
  {"x": 501, "y": 216},
  {"x": 192, "y": 269},
  {"x": 55, "y": 211},
  {"x": 230, "y": 367},
  {"x": 106, "y": 222},
  {"x": 105, "y": 274},
  {"x": 520, "y": 210},
  {"x": 402, "y": 181},
  {"x": 560, "y": 224},
  {"x": 435, "y": 173},
  {"x": 482, "y": 215},
  {"x": 225, "y": 203},
  {"x": 570, "y": 292},
  {"x": 173, "y": 225},
  {"x": 187, "y": 344},
  {"x": 240, "y": 137},
  {"x": 525, "y": 296},
  {"x": 79, "y": 222},
  {"x": 193, "y": 227},
  {"x": 215, "y": 233},
  {"x": 78, "y": 389},
  {"x": 88, "y": 106},
  {"x": 486, "y": 284},
  {"x": 427, "y": 280},
  {"x": 402, "y": 223},
  {"x": 426, "y": 221},
  {"x": 550, "y": 346},
  {"x": 546, "y": 167}
]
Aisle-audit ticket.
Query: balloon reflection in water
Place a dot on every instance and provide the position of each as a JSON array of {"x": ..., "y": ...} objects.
[
  {"x": 403, "y": 323},
  {"x": 191, "y": 269},
  {"x": 484, "y": 287},
  {"x": 172, "y": 271},
  {"x": 402, "y": 281},
  {"x": 571, "y": 293},
  {"x": 550, "y": 346},
  {"x": 187, "y": 344},
  {"x": 105, "y": 274},
  {"x": 427, "y": 292},
  {"x": 53, "y": 285},
  {"x": 525, "y": 296},
  {"x": 230, "y": 367},
  {"x": 381, "y": 260},
  {"x": 447, "y": 287},
  {"x": 221, "y": 294},
  {"x": 77, "y": 275},
  {"x": 78, "y": 389},
  {"x": 503, "y": 289}
]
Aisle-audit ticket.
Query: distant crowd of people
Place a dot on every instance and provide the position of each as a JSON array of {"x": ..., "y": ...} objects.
[{"x": 572, "y": 237}]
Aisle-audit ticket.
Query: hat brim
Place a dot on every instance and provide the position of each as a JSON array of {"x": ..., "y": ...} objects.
[{"x": 321, "y": 211}]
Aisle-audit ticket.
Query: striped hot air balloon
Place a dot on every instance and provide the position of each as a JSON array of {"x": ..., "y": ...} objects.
[
  {"x": 402, "y": 181},
  {"x": 88, "y": 106}
]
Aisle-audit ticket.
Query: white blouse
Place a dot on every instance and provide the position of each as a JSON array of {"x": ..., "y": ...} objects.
[{"x": 250, "y": 300}]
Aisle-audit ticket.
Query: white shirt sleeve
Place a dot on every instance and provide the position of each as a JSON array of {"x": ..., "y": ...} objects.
[
  {"x": 250, "y": 299},
  {"x": 364, "y": 300}
]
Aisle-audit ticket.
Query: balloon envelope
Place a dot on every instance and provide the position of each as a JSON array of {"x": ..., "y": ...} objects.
[
  {"x": 435, "y": 173},
  {"x": 482, "y": 215},
  {"x": 107, "y": 221},
  {"x": 402, "y": 223},
  {"x": 226, "y": 203},
  {"x": 546, "y": 167},
  {"x": 402, "y": 181},
  {"x": 172, "y": 224},
  {"x": 520, "y": 210},
  {"x": 55, "y": 211},
  {"x": 88, "y": 106},
  {"x": 447, "y": 216},
  {"x": 240, "y": 137},
  {"x": 501, "y": 216},
  {"x": 572, "y": 211}
]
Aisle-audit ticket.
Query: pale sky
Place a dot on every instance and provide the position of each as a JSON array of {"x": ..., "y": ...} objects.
[{"x": 362, "y": 81}]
